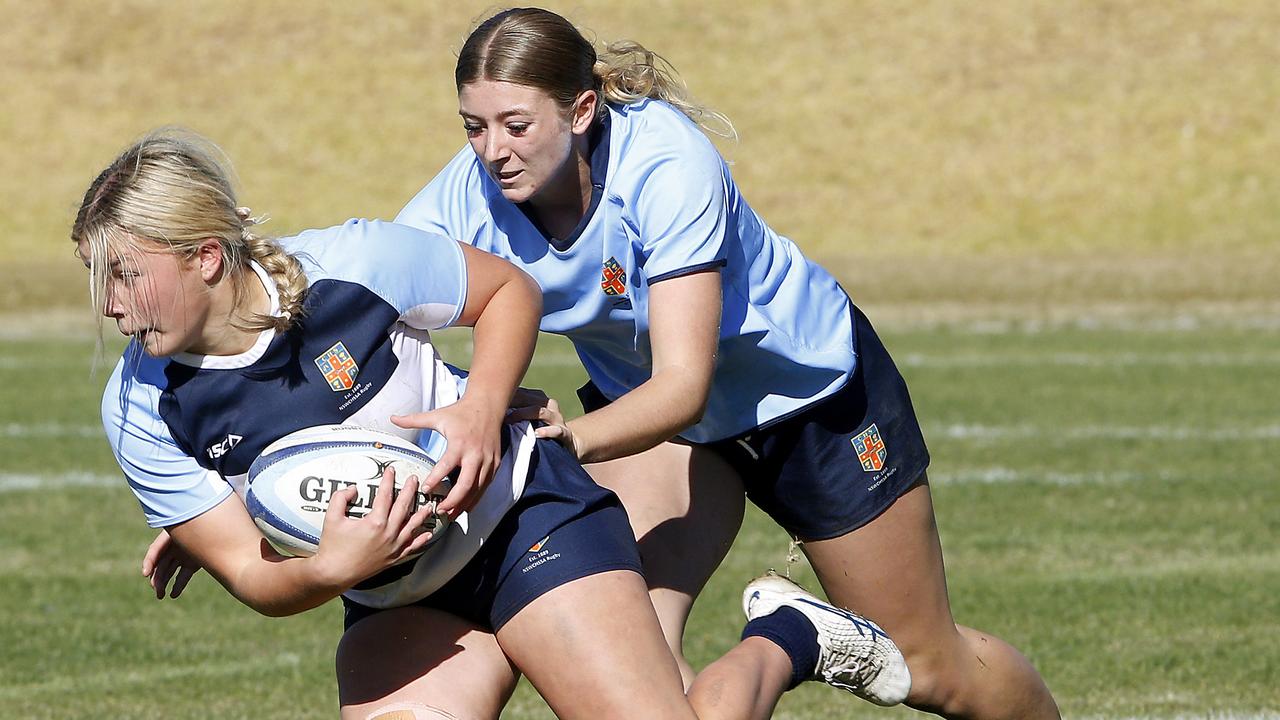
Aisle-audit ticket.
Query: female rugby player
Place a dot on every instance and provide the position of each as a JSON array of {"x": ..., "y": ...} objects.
[
  {"x": 720, "y": 358},
  {"x": 240, "y": 336}
]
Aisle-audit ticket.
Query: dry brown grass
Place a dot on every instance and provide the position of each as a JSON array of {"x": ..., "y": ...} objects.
[{"x": 1012, "y": 151}]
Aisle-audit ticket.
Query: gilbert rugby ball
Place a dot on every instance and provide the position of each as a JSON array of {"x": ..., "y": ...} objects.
[{"x": 291, "y": 482}]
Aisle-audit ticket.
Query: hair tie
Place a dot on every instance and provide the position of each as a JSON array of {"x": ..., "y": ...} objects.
[{"x": 246, "y": 216}]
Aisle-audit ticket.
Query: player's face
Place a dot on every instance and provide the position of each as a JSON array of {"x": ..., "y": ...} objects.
[
  {"x": 154, "y": 295},
  {"x": 522, "y": 136}
]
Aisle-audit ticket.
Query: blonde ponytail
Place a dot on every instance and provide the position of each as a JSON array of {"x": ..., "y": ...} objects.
[{"x": 627, "y": 72}]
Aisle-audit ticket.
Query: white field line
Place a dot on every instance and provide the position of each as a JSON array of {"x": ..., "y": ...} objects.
[
  {"x": 950, "y": 432},
  {"x": 984, "y": 318},
  {"x": 1064, "y": 359},
  {"x": 925, "y": 360},
  {"x": 1015, "y": 326},
  {"x": 24, "y": 431},
  {"x": 54, "y": 430},
  {"x": 113, "y": 680},
  {"x": 9, "y": 362},
  {"x": 1009, "y": 476},
  {"x": 994, "y": 475},
  {"x": 1182, "y": 716},
  {"x": 978, "y": 360},
  {"x": 15, "y": 482},
  {"x": 1098, "y": 360},
  {"x": 1105, "y": 432}
]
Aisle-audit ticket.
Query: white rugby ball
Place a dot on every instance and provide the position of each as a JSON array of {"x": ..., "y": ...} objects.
[{"x": 291, "y": 482}]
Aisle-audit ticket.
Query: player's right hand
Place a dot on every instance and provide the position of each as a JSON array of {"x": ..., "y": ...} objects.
[
  {"x": 162, "y": 561},
  {"x": 353, "y": 549},
  {"x": 543, "y": 410}
]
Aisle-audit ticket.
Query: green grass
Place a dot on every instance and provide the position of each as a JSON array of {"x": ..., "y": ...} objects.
[{"x": 1105, "y": 499}]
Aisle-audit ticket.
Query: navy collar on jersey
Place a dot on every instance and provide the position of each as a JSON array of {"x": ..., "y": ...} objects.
[{"x": 598, "y": 148}]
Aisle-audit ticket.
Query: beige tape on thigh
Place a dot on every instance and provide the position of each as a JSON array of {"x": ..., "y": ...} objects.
[{"x": 410, "y": 711}]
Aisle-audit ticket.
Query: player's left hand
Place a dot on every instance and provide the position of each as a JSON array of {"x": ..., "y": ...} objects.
[
  {"x": 473, "y": 448},
  {"x": 535, "y": 405},
  {"x": 165, "y": 561}
]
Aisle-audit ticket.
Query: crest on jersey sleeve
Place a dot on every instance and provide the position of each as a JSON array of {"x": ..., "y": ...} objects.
[
  {"x": 338, "y": 367},
  {"x": 870, "y": 448},
  {"x": 613, "y": 279}
]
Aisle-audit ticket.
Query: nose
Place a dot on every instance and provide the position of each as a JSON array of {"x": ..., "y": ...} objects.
[
  {"x": 113, "y": 305},
  {"x": 495, "y": 148}
]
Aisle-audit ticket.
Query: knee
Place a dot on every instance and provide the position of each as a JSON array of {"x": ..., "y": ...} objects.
[
  {"x": 937, "y": 685},
  {"x": 978, "y": 675},
  {"x": 409, "y": 711}
]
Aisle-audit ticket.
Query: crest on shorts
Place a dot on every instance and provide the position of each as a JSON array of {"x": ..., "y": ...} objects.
[
  {"x": 870, "y": 448},
  {"x": 338, "y": 367},
  {"x": 538, "y": 545},
  {"x": 613, "y": 279}
]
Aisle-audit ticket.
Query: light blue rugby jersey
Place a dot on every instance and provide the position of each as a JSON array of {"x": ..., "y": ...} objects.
[
  {"x": 665, "y": 205},
  {"x": 185, "y": 429}
]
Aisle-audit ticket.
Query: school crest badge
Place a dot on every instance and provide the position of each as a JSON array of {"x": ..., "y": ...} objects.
[
  {"x": 613, "y": 279},
  {"x": 870, "y": 448},
  {"x": 338, "y": 367}
]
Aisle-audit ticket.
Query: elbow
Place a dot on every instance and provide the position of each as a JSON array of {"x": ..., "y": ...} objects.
[
  {"x": 271, "y": 611},
  {"x": 261, "y": 606},
  {"x": 694, "y": 406},
  {"x": 531, "y": 290},
  {"x": 696, "y": 412},
  {"x": 268, "y": 604},
  {"x": 276, "y": 610}
]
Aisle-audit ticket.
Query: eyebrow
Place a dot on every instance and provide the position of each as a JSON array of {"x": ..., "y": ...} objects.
[
  {"x": 111, "y": 266},
  {"x": 517, "y": 110}
]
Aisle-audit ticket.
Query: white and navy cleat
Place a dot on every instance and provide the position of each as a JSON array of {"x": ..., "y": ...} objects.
[{"x": 854, "y": 653}]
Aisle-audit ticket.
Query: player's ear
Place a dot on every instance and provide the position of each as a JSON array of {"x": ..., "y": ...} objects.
[
  {"x": 209, "y": 259},
  {"x": 584, "y": 111}
]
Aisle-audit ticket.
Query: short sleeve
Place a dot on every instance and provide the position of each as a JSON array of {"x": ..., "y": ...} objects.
[
  {"x": 169, "y": 484},
  {"x": 681, "y": 212},
  {"x": 423, "y": 275},
  {"x": 450, "y": 201}
]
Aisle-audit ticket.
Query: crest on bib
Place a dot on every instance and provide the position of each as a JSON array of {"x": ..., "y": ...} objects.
[
  {"x": 338, "y": 367},
  {"x": 870, "y": 448},
  {"x": 613, "y": 278}
]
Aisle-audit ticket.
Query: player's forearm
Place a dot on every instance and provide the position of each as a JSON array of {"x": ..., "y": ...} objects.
[
  {"x": 504, "y": 338},
  {"x": 281, "y": 586},
  {"x": 657, "y": 410}
]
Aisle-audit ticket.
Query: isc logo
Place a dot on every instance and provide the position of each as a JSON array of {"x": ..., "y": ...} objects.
[{"x": 217, "y": 450}]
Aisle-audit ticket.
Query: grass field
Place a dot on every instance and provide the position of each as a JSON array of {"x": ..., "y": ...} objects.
[
  {"x": 1061, "y": 216},
  {"x": 1106, "y": 499}
]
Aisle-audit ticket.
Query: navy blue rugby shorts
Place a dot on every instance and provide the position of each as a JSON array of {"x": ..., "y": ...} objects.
[
  {"x": 835, "y": 465},
  {"x": 564, "y": 527}
]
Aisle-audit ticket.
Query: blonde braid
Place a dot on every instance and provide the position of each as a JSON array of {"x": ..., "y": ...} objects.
[{"x": 284, "y": 269}]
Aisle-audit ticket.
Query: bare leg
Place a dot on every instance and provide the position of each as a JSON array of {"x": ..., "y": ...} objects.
[
  {"x": 593, "y": 649},
  {"x": 745, "y": 682},
  {"x": 686, "y": 507},
  {"x": 435, "y": 663},
  {"x": 891, "y": 570}
]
